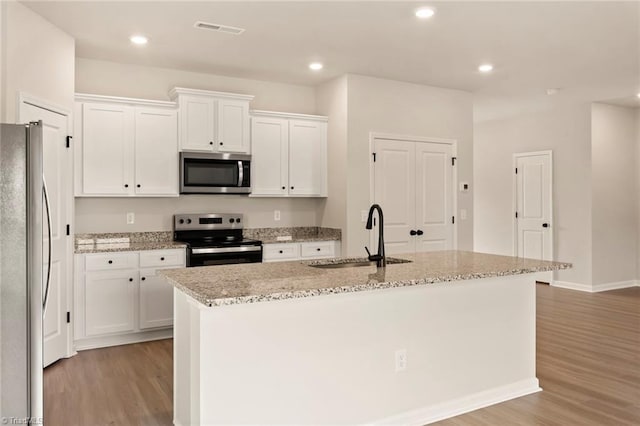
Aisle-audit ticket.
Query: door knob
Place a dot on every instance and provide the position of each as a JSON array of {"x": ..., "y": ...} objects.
[
  {"x": 545, "y": 225},
  {"x": 420, "y": 232},
  {"x": 412, "y": 233}
]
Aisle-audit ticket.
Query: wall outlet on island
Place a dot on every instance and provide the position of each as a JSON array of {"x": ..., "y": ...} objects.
[
  {"x": 401, "y": 360},
  {"x": 131, "y": 218},
  {"x": 276, "y": 215}
]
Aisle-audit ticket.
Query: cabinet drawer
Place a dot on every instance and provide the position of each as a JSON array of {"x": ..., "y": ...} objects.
[
  {"x": 276, "y": 252},
  {"x": 155, "y": 258},
  {"x": 318, "y": 249},
  {"x": 111, "y": 261}
]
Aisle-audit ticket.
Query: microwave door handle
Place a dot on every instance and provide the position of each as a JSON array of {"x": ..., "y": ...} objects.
[{"x": 240, "y": 173}]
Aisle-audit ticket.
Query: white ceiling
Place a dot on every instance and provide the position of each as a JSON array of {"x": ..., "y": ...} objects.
[{"x": 591, "y": 48}]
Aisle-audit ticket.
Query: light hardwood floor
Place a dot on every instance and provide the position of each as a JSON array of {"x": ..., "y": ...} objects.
[{"x": 588, "y": 365}]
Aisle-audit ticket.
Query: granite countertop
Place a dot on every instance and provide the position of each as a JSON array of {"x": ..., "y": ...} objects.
[
  {"x": 298, "y": 234},
  {"x": 126, "y": 241},
  {"x": 260, "y": 282}
]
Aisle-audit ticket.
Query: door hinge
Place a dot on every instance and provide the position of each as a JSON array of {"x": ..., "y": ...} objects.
[
  {"x": 68, "y": 317},
  {"x": 516, "y": 215},
  {"x": 453, "y": 219},
  {"x": 453, "y": 160},
  {"x": 69, "y": 141},
  {"x": 374, "y": 157},
  {"x": 516, "y": 170},
  {"x": 68, "y": 229}
]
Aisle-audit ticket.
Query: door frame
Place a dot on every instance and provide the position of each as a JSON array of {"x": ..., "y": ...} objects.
[
  {"x": 420, "y": 139},
  {"x": 514, "y": 197},
  {"x": 24, "y": 98}
]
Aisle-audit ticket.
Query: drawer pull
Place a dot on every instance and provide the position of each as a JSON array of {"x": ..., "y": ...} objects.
[
  {"x": 162, "y": 258},
  {"x": 143, "y": 278},
  {"x": 318, "y": 249},
  {"x": 281, "y": 251},
  {"x": 130, "y": 280},
  {"x": 110, "y": 262}
]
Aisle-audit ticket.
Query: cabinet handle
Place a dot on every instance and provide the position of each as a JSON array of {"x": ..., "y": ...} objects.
[
  {"x": 318, "y": 249},
  {"x": 412, "y": 233},
  {"x": 221, "y": 143},
  {"x": 110, "y": 262},
  {"x": 162, "y": 258},
  {"x": 126, "y": 185},
  {"x": 130, "y": 280},
  {"x": 143, "y": 278},
  {"x": 292, "y": 187},
  {"x": 210, "y": 143},
  {"x": 281, "y": 251},
  {"x": 284, "y": 187},
  {"x": 419, "y": 232}
]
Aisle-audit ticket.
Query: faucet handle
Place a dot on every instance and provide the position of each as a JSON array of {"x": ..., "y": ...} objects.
[{"x": 368, "y": 252}]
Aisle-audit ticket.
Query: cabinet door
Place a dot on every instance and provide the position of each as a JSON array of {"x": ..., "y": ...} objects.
[
  {"x": 197, "y": 116},
  {"x": 110, "y": 301},
  {"x": 270, "y": 158},
  {"x": 107, "y": 149},
  {"x": 156, "y": 300},
  {"x": 307, "y": 158},
  {"x": 156, "y": 146},
  {"x": 233, "y": 126}
]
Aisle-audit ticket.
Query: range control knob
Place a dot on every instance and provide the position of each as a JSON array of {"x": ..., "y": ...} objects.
[
  {"x": 188, "y": 221},
  {"x": 231, "y": 220},
  {"x": 181, "y": 221},
  {"x": 238, "y": 220}
]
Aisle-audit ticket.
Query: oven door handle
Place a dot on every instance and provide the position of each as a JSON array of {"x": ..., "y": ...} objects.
[
  {"x": 240, "y": 249},
  {"x": 240, "y": 173}
]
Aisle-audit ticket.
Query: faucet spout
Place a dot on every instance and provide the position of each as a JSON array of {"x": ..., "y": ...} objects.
[{"x": 380, "y": 258}]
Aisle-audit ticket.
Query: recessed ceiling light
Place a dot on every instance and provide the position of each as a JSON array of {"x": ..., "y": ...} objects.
[
  {"x": 315, "y": 66},
  {"x": 425, "y": 12},
  {"x": 138, "y": 39},
  {"x": 485, "y": 68}
]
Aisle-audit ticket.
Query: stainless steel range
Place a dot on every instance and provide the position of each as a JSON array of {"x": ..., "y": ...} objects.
[{"x": 215, "y": 239}]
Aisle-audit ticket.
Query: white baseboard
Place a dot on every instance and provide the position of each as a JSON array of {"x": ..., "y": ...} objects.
[
  {"x": 437, "y": 412},
  {"x": 122, "y": 339},
  {"x": 596, "y": 288}
]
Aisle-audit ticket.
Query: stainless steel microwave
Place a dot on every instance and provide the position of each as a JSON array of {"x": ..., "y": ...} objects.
[{"x": 209, "y": 173}]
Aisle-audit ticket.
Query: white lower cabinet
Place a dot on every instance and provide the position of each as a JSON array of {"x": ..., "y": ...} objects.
[
  {"x": 119, "y": 298},
  {"x": 282, "y": 252}
]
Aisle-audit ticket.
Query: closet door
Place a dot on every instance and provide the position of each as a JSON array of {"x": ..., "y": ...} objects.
[
  {"x": 434, "y": 199},
  {"x": 395, "y": 191}
]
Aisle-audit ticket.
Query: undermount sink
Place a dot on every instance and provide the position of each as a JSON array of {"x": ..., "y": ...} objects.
[{"x": 352, "y": 263}]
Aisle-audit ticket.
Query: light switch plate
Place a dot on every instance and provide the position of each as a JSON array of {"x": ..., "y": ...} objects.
[{"x": 276, "y": 215}]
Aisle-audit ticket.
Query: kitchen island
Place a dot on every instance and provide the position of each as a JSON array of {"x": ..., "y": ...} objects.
[{"x": 416, "y": 342}]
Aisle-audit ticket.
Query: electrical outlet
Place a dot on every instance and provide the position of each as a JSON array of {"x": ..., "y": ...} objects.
[
  {"x": 364, "y": 215},
  {"x": 131, "y": 218},
  {"x": 463, "y": 214},
  {"x": 276, "y": 215},
  {"x": 401, "y": 360}
]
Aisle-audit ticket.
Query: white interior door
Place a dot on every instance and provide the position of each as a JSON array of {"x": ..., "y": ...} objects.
[
  {"x": 395, "y": 188},
  {"x": 57, "y": 173},
  {"x": 413, "y": 183},
  {"x": 534, "y": 234},
  {"x": 434, "y": 201}
]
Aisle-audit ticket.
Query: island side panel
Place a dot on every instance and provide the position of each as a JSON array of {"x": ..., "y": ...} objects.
[{"x": 331, "y": 359}]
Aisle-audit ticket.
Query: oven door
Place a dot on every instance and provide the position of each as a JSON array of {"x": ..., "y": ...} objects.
[
  {"x": 203, "y": 173},
  {"x": 205, "y": 256}
]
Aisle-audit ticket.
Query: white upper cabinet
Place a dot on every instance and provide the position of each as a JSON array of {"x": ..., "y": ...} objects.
[
  {"x": 213, "y": 121},
  {"x": 156, "y": 156},
  {"x": 107, "y": 151},
  {"x": 125, "y": 147},
  {"x": 289, "y": 156},
  {"x": 270, "y": 158}
]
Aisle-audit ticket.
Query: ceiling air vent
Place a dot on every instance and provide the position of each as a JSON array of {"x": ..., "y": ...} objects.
[{"x": 217, "y": 27}]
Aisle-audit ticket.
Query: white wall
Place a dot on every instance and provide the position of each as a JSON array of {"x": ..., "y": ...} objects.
[
  {"x": 331, "y": 100},
  {"x": 563, "y": 127},
  {"x": 39, "y": 60},
  {"x": 115, "y": 79},
  {"x": 614, "y": 200},
  {"x": 387, "y": 106}
]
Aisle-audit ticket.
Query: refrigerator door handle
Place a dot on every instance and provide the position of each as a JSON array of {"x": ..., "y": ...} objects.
[{"x": 48, "y": 210}]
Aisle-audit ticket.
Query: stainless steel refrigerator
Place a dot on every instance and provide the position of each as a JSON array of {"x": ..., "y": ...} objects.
[{"x": 21, "y": 273}]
